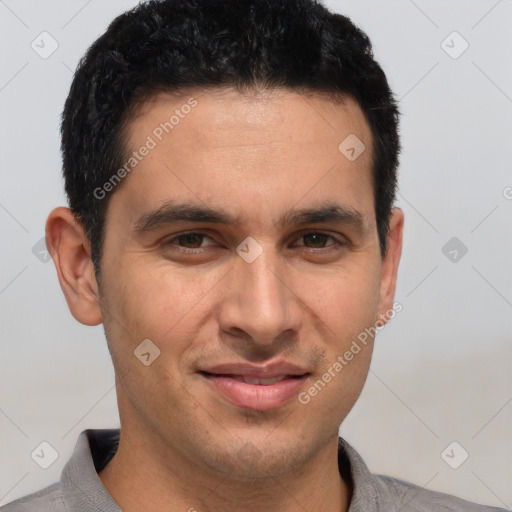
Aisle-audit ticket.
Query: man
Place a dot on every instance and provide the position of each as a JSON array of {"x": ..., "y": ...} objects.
[{"x": 231, "y": 173}]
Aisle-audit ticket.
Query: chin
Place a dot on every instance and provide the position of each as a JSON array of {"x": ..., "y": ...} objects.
[{"x": 254, "y": 457}]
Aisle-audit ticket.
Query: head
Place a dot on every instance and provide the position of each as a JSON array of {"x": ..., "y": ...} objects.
[{"x": 231, "y": 172}]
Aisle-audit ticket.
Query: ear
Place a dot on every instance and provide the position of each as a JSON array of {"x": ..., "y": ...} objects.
[
  {"x": 70, "y": 250},
  {"x": 390, "y": 265}
]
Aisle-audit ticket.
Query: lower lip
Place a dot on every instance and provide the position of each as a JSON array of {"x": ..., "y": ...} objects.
[{"x": 255, "y": 396}]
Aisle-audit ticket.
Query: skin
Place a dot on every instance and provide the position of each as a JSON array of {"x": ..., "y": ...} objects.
[{"x": 304, "y": 299}]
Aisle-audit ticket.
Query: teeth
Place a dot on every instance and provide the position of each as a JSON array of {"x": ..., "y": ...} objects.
[
  {"x": 267, "y": 382},
  {"x": 264, "y": 381},
  {"x": 251, "y": 380}
]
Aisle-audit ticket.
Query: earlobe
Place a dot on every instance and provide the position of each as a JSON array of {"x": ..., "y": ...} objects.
[
  {"x": 390, "y": 265},
  {"x": 70, "y": 251}
]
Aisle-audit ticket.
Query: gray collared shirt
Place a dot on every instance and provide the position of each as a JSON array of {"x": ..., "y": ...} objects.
[{"x": 80, "y": 489}]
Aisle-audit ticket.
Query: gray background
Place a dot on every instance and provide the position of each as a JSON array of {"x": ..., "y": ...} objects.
[{"x": 442, "y": 367}]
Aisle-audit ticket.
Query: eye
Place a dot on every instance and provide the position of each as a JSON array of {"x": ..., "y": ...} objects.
[
  {"x": 197, "y": 243},
  {"x": 317, "y": 240},
  {"x": 187, "y": 241}
]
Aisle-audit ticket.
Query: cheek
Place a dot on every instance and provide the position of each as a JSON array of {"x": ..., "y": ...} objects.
[
  {"x": 164, "y": 305},
  {"x": 160, "y": 301},
  {"x": 345, "y": 301}
]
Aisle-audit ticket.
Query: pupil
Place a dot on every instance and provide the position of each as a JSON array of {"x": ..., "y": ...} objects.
[
  {"x": 192, "y": 239},
  {"x": 317, "y": 238}
]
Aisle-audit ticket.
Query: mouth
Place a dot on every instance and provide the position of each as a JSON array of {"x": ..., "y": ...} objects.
[
  {"x": 255, "y": 381},
  {"x": 256, "y": 388}
]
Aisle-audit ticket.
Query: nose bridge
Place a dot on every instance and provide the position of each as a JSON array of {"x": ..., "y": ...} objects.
[
  {"x": 260, "y": 302},
  {"x": 264, "y": 278}
]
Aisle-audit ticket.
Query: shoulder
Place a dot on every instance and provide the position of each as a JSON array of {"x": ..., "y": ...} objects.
[
  {"x": 409, "y": 497},
  {"x": 48, "y": 499}
]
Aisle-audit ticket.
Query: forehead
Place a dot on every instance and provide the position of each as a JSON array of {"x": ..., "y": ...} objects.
[
  {"x": 220, "y": 116},
  {"x": 266, "y": 150}
]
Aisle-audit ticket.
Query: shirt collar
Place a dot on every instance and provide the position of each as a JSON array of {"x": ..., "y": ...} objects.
[
  {"x": 365, "y": 494},
  {"x": 81, "y": 486},
  {"x": 83, "y": 490}
]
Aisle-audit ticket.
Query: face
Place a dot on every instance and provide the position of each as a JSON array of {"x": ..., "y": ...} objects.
[{"x": 244, "y": 246}]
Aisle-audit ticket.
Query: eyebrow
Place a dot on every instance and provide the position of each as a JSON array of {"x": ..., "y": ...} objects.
[{"x": 172, "y": 212}]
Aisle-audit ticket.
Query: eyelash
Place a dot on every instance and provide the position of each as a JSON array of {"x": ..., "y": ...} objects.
[{"x": 337, "y": 243}]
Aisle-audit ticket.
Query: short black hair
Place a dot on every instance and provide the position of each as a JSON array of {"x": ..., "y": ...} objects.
[{"x": 172, "y": 45}]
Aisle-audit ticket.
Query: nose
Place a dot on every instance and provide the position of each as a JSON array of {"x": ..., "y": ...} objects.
[{"x": 259, "y": 305}]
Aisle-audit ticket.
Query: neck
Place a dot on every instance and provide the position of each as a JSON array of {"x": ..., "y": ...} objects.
[{"x": 138, "y": 478}]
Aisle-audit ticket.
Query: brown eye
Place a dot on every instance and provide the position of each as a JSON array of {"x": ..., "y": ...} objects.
[
  {"x": 316, "y": 240},
  {"x": 187, "y": 242},
  {"x": 190, "y": 240}
]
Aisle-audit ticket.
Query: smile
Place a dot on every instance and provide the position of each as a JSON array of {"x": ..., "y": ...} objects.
[
  {"x": 259, "y": 381},
  {"x": 254, "y": 388}
]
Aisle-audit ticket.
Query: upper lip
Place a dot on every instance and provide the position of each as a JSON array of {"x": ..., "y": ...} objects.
[{"x": 266, "y": 371}]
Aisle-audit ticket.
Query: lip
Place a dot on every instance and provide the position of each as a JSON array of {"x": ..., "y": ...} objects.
[
  {"x": 268, "y": 370},
  {"x": 227, "y": 379}
]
